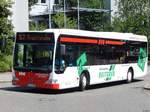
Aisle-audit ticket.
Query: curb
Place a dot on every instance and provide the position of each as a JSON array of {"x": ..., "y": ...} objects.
[
  {"x": 5, "y": 81},
  {"x": 5, "y": 77},
  {"x": 147, "y": 86}
]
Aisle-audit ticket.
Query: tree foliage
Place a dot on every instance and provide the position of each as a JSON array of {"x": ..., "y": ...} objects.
[
  {"x": 87, "y": 3},
  {"x": 6, "y": 33},
  {"x": 33, "y": 26},
  {"x": 59, "y": 21},
  {"x": 133, "y": 16},
  {"x": 91, "y": 3},
  {"x": 95, "y": 21},
  {"x": 5, "y": 26},
  {"x": 5, "y": 23}
]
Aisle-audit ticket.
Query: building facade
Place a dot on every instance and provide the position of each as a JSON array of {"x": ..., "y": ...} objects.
[
  {"x": 20, "y": 15},
  {"x": 43, "y": 8}
]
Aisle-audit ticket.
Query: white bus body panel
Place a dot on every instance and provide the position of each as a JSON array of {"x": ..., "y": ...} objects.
[{"x": 70, "y": 77}]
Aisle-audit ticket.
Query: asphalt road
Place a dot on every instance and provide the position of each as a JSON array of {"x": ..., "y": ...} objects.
[{"x": 112, "y": 97}]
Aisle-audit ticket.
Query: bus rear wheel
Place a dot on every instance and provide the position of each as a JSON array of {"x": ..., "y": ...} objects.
[
  {"x": 129, "y": 76},
  {"x": 83, "y": 82}
]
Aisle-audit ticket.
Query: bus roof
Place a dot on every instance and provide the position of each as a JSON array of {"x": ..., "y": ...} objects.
[{"x": 94, "y": 34}]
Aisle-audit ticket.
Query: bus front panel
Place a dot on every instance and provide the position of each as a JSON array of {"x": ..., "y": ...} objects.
[{"x": 33, "y": 60}]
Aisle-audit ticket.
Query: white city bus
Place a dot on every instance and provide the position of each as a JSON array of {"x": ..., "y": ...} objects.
[{"x": 65, "y": 58}]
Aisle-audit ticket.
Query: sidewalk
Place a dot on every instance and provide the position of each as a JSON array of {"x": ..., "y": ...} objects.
[
  {"x": 5, "y": 77},
  {"x": 147, "y": 84},
  {"x": 147, "y": 80}
]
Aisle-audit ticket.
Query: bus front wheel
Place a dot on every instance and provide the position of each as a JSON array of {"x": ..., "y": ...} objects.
[
  {"x": 130, "y": 76},
  {"x": 83, "y": 82}
]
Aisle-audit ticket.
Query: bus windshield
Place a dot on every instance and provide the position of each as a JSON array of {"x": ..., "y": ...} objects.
[{"x": 33, "y": 56}]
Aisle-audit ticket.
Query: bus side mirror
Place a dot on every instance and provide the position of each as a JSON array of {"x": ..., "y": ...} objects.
[{"x": 62, "y": 49}]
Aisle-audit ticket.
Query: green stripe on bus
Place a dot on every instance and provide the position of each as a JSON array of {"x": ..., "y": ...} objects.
[
  {"x": 81, "y": 61},
  {"x": 142, "y": 59}
]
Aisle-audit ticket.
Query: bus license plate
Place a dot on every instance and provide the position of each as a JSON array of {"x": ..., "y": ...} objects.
[{"x": 31, "y": 85}]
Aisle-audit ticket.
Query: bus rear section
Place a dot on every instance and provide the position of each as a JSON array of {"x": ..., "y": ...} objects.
[{"x": 33, "y": 60}]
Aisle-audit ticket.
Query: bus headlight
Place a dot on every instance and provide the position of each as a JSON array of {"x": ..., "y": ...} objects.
[{"x": 14, "y": 75}]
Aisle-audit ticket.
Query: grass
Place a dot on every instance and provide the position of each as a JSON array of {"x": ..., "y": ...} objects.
[{"x": 5, "y": 63}]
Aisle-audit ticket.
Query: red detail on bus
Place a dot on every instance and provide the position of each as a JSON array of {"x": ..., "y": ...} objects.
[
  {"x": 101, "y": 42},
  {"x": 78, "y": 40},
  {"x": 38, "y": 80},
  {"x": 91, "y": 41},
  {"x": 112, "y": 42},
  {"x": 54, "y": 86}
]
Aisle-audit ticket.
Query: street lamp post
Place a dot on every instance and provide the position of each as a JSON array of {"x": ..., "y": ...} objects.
[
  {"x": 49, "y": 14},
  {"x": 78, "y": 14},
  {"x": 65, "y": 14}
]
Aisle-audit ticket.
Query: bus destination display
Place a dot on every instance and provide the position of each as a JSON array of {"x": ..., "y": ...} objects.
[{"x": 34, "y": 37}]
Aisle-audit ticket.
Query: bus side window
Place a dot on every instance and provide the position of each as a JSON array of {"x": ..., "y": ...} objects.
[
  {"x": 133, "y": 50},
  {"x": 71, "y": 54}
]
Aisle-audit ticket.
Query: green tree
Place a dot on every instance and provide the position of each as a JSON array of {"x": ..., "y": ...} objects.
[
  {"x": 95, "y": 21},
  {"x": 40, "y": 26},
  {"x": 6, "y": 27},
  {"x": 59, "y": 21},
  {"x": 133, "y": 16},
  {"x": 6, "y": 33},
  {"x": 88, "y": 3},
  {"x": 92, "y": 3}
]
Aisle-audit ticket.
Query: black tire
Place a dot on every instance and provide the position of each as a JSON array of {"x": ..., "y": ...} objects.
[
  {"x": 83, "y": 82},
  {"x": 129, "y": 76}
]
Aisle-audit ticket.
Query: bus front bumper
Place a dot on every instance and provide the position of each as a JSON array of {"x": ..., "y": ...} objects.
[{"x": 20, "y": 83}]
